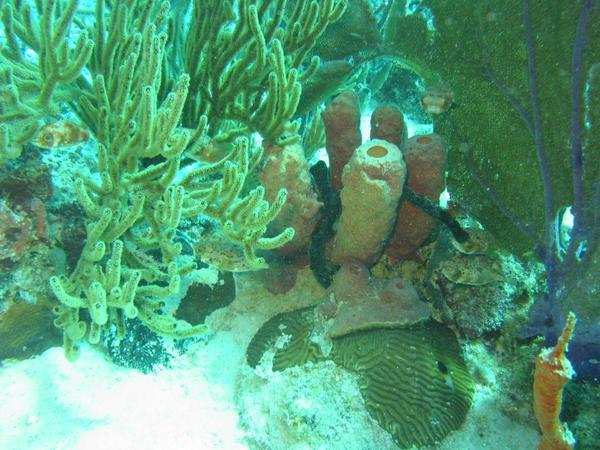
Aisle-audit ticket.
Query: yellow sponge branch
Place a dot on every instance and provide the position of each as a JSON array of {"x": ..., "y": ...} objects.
[{"x": 173, "y": 108}]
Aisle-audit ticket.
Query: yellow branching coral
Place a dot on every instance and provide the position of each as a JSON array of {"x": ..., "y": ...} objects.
[
  {"x": 155, "y": 96},
  {"x": 31, "y": 89},
  {"x": 248, "y": 62}
]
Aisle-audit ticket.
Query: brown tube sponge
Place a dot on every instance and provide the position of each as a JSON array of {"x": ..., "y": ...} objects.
[
  {"x": 342, "y": 128},
  {"x": 351, "y": 281},
  {"x": 387, "y": 123},
  {"x": 372, "y": 185},
  {"x": 425, "y": 158},
  {"x": 286, "y": 167}
]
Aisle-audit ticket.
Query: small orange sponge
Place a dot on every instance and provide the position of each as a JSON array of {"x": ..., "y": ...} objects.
[{"x": 552, "y": 371}]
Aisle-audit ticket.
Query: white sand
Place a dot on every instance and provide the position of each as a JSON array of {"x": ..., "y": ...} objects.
[{"x": 210, "y": 399}]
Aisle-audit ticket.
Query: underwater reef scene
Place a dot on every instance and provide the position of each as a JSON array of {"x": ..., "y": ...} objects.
[{"x": 300, "y": 224}]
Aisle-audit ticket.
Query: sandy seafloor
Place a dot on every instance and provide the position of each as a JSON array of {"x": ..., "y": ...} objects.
[{"x": 210, "y": 399}]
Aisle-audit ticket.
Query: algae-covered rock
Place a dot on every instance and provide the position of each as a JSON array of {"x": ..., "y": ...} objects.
[
  {"x": 479, "y": 49},
  {"x": 472, "y": 270},
  {"x": 27, "y": 330}
]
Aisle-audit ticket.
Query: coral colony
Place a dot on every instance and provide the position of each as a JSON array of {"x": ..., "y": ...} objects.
[{"x": 148, "y": 148}]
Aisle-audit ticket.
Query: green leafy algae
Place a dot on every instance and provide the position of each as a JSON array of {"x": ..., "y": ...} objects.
[{"x": 479, "y": 49}]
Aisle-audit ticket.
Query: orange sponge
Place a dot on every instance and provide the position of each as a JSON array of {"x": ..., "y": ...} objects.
[{"x": 552, "y": 371}]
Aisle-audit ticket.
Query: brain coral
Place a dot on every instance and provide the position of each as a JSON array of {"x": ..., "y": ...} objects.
[{"x": 413, "y": 379}]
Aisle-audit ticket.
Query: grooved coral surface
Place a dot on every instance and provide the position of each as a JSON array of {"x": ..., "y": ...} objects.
[
  {"x": 298, "y": 349},
  {"x": 414, "y": 380}
]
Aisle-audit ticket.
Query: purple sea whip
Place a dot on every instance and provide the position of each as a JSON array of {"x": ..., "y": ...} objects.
[
  {"x": 562, "y": 272},
  {"x": 563, "y": 267}
]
